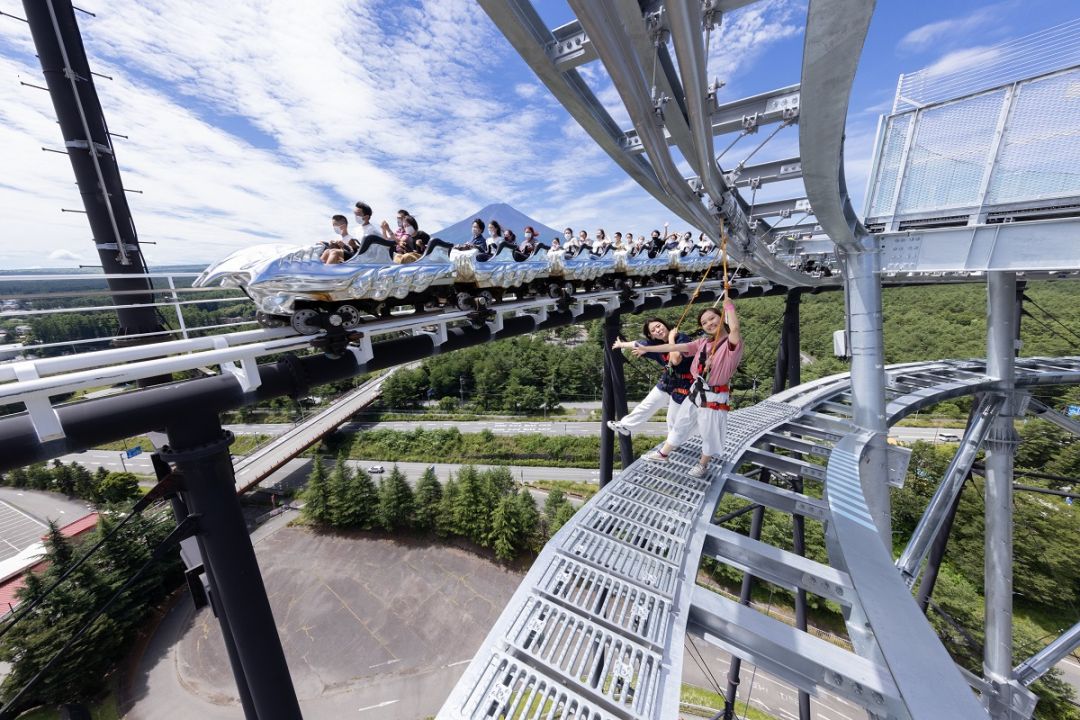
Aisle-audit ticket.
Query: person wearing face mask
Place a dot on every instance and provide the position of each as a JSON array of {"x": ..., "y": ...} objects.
[
  {"x": 362, "y": 213},
  {"x": 570, "y": 244},
  {"x": 395, "y": 235},
  {"x": 406, "y": 250},
  {"x": 343, "y": 246},
  {"x": 656, "y": 243},
  {"x": 674, "y": 384},
  {"x": 528, "y": 243}
]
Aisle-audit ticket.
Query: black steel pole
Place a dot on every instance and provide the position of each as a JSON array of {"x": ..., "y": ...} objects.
[
  {"x": 180, "y": 512},
  {"x": 200, "y": 450},
  {"x": 614, "y": 366},
  {"x": 798, "y": 546},
  {"x": 935, "y": 556},
  {"x": 86, "y": 138},
  {"x": 735, "y": 668},
  {"x": 788, "y": 370},
  {"x": 607, "y": 411}
]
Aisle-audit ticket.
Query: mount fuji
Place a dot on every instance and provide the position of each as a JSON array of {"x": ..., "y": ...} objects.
[{"x": 508, "y": 217}]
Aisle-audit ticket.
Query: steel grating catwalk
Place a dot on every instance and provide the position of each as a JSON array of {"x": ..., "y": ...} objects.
[{"x": 596, "y": 628}]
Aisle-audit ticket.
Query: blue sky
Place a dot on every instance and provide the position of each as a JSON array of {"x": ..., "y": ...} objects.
[{"x": 255, "y": 120}]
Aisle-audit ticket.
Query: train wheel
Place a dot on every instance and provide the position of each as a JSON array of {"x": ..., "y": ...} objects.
[
  {"x": 306, "y": 321},
  {"x": 350, "y": 316},
  {"x": 465, "y": 301},
  {"x": 487, "y": 298},
  {"x": 270, "y": 321},
  {"x": 554, "y": 291}
]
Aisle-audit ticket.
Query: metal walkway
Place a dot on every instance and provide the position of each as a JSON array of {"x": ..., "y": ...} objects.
[{"x": 596, "y": 628}]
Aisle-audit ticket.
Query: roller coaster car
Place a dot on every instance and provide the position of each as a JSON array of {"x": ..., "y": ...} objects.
[{"x": 291, "y": 284}]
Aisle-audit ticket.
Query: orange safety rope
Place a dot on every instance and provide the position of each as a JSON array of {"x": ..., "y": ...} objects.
[{"x": 697, "y": 290}]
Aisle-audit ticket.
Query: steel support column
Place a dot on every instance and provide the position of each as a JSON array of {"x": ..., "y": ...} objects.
[
  {"x": 862, "y": 291},
  {"x": 936, "y": 555},
  {"x": 735, "y": 668},
  {"x": 798, "y": 546},
  {"x": 89, "y": 147},
  {"x": 1002, "y": 322},
  {"x": 613, "y": 404},
  {"x": 938, "y": 513},
  {"x": 788, "y": 371},
  {"x": 200, "y": 450}
]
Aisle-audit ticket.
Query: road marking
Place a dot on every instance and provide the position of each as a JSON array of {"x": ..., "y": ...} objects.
[
  {"x": 459, "y": 662},
  {"x": 384, "y": 703},
  {"x": 388, "y": 662}
]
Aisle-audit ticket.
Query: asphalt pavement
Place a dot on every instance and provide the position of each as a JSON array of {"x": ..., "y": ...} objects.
[{"x": 557, "y": 427}]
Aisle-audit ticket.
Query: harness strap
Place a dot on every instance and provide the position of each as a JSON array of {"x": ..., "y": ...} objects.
[{"x": 716, "y": 406}]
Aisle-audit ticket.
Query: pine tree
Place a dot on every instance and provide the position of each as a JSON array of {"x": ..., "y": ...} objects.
[
  {"x": 99, "y": 477},
  {"x": 528, "y": 520},
  {"x": 446, "y": 521},
  {"x": 317, "y": 495},
  {"x": 472, "y": 513},
  {"x": 564, "y": 513},
  {"x": 39, "y": 477},
  {"x": 43, "y": 631},
  {"x": 554, "y": 501},
  {"x": 504, "y": 529},
  {"x": 63, "y": 478},
  {"x": 395, "y": 501},
  {"x": 19, "y": 478},
  {"x": 83, "y": 480},
  {"x": 428, "y": 494},
  {"x": 363, "y": 501},
  {"x": 341, "y": 510}
]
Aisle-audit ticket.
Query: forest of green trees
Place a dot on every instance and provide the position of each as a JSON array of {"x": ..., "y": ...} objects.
[
  {"x": 533, "y": 374},
  {"x": 125, "y": 570},
  {"x": 483, "y": 506}
]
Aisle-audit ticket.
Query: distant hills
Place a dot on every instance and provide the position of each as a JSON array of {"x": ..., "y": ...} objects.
[{"x": 507, "y": 216}]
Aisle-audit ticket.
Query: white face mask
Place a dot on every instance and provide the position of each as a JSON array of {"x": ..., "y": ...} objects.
[
  {"x": 528, "y": 236},
  {"x": 567, "y": 235},
  {"x": 492, "y": 233},
  {"x": 339, "y": 230}
]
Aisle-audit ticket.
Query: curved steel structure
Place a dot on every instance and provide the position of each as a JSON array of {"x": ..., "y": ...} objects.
[{"x": 597, "y": 627}]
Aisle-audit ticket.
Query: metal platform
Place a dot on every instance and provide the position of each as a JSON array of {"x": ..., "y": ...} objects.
[{"x": 597, "y": 627}]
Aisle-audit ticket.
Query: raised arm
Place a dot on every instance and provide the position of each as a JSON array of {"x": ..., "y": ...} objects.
[
  {"x": 734, "y": 334},
  {"x": 640, "y": 350},
  {"x": 675, "y": 357}
]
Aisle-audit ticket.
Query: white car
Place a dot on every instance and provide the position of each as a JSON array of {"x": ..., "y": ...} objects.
[
  {"x": 376, "y": 469},
  {"x": 953, "y": 437}
]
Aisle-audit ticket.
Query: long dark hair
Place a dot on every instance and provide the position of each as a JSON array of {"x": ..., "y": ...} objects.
[{"x": 650, "y": 321}]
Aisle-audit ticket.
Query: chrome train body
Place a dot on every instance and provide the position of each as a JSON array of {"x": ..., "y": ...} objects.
[{"x": 291, "y": 283}]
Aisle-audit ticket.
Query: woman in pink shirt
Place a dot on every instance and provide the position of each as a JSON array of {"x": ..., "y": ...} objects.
[{"x": 716, "y": 357}]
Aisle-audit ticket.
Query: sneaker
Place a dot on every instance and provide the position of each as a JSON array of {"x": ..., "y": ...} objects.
[
  {"x": 655, "y": 456},
  {"x": 618, "y": 427},
  {"x": 698, "y": 471}
]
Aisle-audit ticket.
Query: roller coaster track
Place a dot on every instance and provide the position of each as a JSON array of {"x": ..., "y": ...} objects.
[{"x": 597, "y": 627}]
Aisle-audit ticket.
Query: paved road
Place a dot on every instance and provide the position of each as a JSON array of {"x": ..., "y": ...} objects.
[
  {"x": 578, "y": 429},
  {"x": 765, "y": 691}
]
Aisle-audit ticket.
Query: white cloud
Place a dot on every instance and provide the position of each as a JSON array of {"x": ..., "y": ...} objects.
[
  {"x": 258, "y": 125},
  {"x": 65, "y": 256},
  {"x": 931, "y": 35},
  {"x": 959, "y": 60}
]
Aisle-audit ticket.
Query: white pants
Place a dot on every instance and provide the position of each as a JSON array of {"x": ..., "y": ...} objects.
[
  {"x": 649, "y": 407},
  {"x": 710, "y": 424}
]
